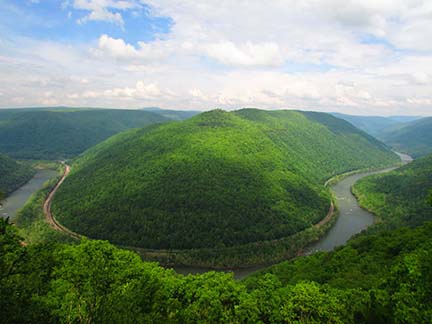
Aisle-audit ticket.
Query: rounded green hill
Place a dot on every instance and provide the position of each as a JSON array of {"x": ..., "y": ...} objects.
[{"x": 217, "y": 179}]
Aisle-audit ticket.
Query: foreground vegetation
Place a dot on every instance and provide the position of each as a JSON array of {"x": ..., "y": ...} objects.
[
  {"x": 54, "y": 134},
  {"x": 218, "y": 180},
  {"x": 95, "y": 282},
  {"x": 13, "y": 174}
]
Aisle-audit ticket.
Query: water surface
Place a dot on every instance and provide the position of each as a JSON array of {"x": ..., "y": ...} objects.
[{"x": 17, "y": 199}]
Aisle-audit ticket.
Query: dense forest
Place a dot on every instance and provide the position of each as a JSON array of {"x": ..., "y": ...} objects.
[
  {"x": 414, "y": 138},
  {"x": 13, "y": 174},
  {"x": 399, "y": 197},
  {"x": 392, "y": 261},
  {"x": 382, "y": 277},
  {"x": 216, "y": 180},
  {"x": 63, "y": 133}
]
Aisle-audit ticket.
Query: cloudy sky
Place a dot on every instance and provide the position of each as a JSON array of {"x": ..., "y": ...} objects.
[{"x": 369, "y": 57}]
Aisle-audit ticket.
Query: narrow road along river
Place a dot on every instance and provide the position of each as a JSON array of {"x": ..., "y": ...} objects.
[{"x": 18, "y": 198}]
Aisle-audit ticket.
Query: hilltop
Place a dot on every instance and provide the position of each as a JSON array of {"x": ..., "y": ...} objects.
[{"x": 217, "y": 179}]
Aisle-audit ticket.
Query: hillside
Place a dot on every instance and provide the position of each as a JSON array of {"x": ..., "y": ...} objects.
[
  {"x": 217, "y": 179},
  {"x": 414, "y": 138},
  {"x": 399, "y": 197},
  {"x": 13, "y": 174},
  {"x": 63, "y": 133}
]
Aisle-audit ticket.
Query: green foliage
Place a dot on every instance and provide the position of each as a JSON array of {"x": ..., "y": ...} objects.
[
  {"x": 414, "y": 138},
  {"x": 392, "y": 265},
  {"x": 216, "y": 180},
  {"x": 95, "y": 282},
  {"x": 13, "y": 174},
  {"x": 60, "y": 134},
  {"x": 399, "y": 197}
]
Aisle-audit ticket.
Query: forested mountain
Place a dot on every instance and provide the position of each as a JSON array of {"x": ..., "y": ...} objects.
[
  {"x": 64, "y": 133},
  {"x": 374, "y": 125},
  {"x": 391, "y": 262},
  {"x": 217, "y": 179},
  {"x": 13, "y": 174},
  {"x": 414, "y": 138}
]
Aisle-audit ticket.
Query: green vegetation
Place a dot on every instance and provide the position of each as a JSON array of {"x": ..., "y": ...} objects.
[
  {"x": 95, "y": 282},
  {"x": 13, "y": 174},
  {"x": 64, "y": 133},
  {"x": 389, "y": 263},
  {"x": 217, "y": 180},
  {"x": 399, "y": 197},
  {"x": 414, "y": 138}
]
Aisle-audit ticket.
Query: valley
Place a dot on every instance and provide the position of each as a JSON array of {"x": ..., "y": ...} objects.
[
  {"x": 215, "y": 162},
  {"x": 273, "y": 145},
  {"x": 247, "y": 180}
]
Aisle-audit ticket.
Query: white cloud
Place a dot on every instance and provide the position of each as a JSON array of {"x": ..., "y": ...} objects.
[
  {"x": 247, "y": 54},
  {"x": 357, "y": 56},
  {"x": 140, "y": 91},
  {"x": 119, "y": 49},
  {"x": 103, "y": 10}
]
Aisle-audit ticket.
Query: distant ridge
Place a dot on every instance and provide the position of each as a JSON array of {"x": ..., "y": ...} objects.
[
  {"x": 59, "y": 133},
  {"x": 414, "y": 138}
]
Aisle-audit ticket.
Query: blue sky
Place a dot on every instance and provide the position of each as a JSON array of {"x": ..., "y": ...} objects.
[
  {"x": 57, "y": 21},
  {"x": 360, "y": 57}
]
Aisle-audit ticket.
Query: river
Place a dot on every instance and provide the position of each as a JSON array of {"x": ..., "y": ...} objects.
[
  {"x": 352, "y": 220},
  {"x": 17, "y": 199}
]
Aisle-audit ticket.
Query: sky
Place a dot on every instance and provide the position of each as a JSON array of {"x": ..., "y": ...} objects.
[{"x": 363, "y": 57}]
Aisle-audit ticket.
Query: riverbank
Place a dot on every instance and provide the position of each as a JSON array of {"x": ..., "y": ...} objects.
[
  {"x": 17, "y": 199},
  {"x": 249, "y": 257}
]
